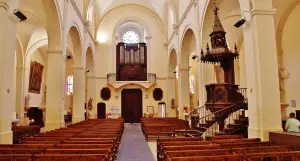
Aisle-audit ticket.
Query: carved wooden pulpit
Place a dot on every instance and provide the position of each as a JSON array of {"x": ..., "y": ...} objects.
[{"x": 221, "y": 95}]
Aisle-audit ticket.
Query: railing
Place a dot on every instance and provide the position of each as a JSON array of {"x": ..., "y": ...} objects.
[
  {"x": 243, "y": 91},
  {"x": 207, "y": 124},
  {"x": 112, "y": 77}
]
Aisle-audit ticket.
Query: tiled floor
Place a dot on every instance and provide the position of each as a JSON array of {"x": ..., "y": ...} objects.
[{"x": 133, "y": 146}]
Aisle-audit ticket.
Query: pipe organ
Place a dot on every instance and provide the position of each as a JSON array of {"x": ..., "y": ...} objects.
[{"x": 131, "y": 62}]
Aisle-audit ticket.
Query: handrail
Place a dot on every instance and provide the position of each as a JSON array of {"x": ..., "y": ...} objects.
[
  {"x": 196, "y": 110},
  {"x": 213, "y": 113}
]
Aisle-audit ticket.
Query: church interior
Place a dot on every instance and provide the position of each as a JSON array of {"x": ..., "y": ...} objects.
[{"x": 157, "y": 80}]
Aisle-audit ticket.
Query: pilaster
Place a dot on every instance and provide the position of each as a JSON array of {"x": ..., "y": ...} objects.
[
  {"x": 55, "y": 90},
  {"x": 7, "y": 59},
  {"x": 183, "y": 90},
  {"x": 262, "y": 74},
  {"x": 78, "y": 94}
]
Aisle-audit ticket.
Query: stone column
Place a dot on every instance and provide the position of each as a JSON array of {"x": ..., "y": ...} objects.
[
  {"x": 78, "y": 94},
  {"x": 55, "y": 90},
  {"x": 183, "y": 90},
  {"x": 20, "y": 93},
  {"x": 262, "y": 73}
]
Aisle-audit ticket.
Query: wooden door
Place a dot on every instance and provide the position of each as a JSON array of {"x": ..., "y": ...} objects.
[
  {"x": 132, "y": 105},
  {"x": 101, "y": 110},
  {"x": 298, "y": 114}
]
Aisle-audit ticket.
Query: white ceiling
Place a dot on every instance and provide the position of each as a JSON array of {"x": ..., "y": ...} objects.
[{"x": 156, "y": 5}]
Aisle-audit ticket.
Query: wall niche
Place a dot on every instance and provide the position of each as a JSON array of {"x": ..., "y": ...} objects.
[
  {"x": 105, "y": 93},
  {"x": 157, "y": 94}
]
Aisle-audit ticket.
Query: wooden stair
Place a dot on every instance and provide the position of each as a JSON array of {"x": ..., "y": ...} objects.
[{"x": 238, "y": 126}]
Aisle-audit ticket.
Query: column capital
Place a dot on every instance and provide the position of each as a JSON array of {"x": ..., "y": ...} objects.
[
  {"x": 184, "y": 69},
  {"x": 4, "y": 4},
  {"x": 20, "y": 67},
  {"x": 257, "y": 11},
  {"x": 54, "y": 51},
  {"x": 148, "y": 37},
  {"x": 78, "y": 67}
]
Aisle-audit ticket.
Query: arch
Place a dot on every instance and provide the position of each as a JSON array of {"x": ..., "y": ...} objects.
[
  {"x": 136, "y": 20},
  {"x": 89, "y": 65},
  {"x": 187, "y": 28},
  {"x": 19, "y": 52},
  {"x": 74, "y": 44},
  {"x": 35, "y": 46},
  {"x": 172, "y": 62},
  {"x": 282, "y": 21},
  {"x": 188, "y": 46},
  {"x": 120, "y": 6},
  {"x": 53, "y": 24}
]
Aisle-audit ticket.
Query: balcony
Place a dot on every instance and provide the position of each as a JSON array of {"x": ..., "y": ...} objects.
[{"x": 112, "y": 80}]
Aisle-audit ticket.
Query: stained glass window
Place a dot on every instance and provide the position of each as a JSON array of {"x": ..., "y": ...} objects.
[
  {"x": 131, "y": 37},
  {"x": 70, "y": 84}
]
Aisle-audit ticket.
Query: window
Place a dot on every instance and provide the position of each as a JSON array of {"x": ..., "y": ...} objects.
[
  {"x": 131, "y": 37},
  {"x": 192, "y": 84},
  {"x": 70, "y": 85}
]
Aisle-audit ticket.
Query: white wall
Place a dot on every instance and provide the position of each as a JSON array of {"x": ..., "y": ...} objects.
[
  {"x": 36, "y": 99},
  {"x": 291, "y": 57}
]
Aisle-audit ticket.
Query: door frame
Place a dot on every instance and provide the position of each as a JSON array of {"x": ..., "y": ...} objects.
[{"x": 98, "y": 110}]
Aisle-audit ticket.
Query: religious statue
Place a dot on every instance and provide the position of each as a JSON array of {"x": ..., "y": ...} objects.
[
  {"x": 90, "y": 104},
  {"x": 282, "y": 77},
  {"x": 173, "y": 103},
  {"x": 27, "y": 98}
]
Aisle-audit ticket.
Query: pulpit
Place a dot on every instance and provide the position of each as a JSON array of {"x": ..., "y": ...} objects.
[{"x": 221, "y": 95}]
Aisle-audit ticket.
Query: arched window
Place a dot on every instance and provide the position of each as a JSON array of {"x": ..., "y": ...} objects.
[
  {"x": 131, "y": 37},
  {"x": 70, "y": 85},
  {"x": 192, "y": 84}
]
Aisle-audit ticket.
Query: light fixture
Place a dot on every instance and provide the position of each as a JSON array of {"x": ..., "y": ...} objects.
[
  {"x": 194, "y": 57},
  {"x": 240, "y": 23},
  {"x": 20, "y": 15}
]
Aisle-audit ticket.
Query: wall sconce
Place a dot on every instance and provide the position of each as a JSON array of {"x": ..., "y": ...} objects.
[{"x": 20, "y": 15}]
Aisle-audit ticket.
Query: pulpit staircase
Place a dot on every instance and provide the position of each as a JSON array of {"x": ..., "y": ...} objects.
[{"x": 227, "y": 121}]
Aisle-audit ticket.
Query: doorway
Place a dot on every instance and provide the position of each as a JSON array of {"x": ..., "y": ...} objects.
[
  {"x": 101, "y": 110},
  {"x": 298, "y": 114},
  {"x": 132, "y": 105}
]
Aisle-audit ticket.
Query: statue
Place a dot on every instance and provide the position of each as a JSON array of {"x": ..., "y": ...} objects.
[
  {"x": 173, "y": 103},
  {"x": 282, "y": 77},
  {"x": 90, "y": 104},
  {"x": 27, "y": 98}
]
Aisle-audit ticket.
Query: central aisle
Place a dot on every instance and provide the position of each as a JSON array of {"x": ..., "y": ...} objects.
[{"x": 133, "y": 145}]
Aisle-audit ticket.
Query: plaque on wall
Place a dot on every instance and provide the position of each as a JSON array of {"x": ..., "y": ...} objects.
[
  {"x": 157, "y": 94},
  {"x": 105, "y": 93}
]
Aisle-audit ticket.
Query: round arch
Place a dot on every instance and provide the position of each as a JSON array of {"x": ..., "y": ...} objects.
[
  {"x": 282, "y": 21},
  {"x": 120, "y": 6},
  {"x": 75, "y": 45},
  {"x": 53, "y": 25}
]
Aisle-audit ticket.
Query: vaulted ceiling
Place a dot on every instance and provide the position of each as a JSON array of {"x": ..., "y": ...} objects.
[{"x": 104, "y": 6}]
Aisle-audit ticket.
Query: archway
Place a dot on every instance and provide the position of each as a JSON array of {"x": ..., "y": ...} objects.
[
  {"x": 172, "y": 84},
  {"x": 90, "y": 82},
  {"x": 74, "y": 44},
  {"x": 186, "y": 69},
  {"x": 288, "y": 54}
]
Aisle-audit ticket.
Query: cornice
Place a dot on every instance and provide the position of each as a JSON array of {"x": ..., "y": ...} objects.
[
  {"x": 263, "y": 11},
  {"x": 4, "y": 4}
]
